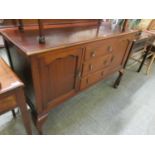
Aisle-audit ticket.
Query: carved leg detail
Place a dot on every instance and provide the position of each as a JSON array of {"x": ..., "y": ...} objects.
[
  {"x": 40, "y": 120},
  {"x": 118, "y": 80}
]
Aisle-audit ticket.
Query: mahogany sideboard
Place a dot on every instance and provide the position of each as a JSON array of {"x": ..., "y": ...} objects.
[{"x": 71, "y": 60}]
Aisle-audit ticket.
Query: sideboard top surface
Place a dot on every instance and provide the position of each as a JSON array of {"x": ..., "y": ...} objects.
[{"x": 56, "y": 38}]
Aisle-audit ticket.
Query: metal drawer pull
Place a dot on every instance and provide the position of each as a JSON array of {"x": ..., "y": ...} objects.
[
  {"x": 110, "y": 49},
  {"x": 91, "y": 67},
  {"x": 93, "y": 54}
]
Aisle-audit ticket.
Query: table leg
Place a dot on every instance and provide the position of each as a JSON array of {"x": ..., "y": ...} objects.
[{"x": 23, "y": 107}]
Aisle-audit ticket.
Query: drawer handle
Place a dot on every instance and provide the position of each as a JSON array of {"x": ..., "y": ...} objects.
[
  {"x": 110, "y": 49},
  {"x": 90, "y": 67},
  {"x": 93, "y": 54}
]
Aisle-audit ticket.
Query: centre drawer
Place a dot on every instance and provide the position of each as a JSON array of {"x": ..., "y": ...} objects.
[
  {"x": 96, "y": 64},
  {"x": 100, "y": 48}
]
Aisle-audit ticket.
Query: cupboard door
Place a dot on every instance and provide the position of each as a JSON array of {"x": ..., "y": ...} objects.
[
  {"x": 59, "y": 73},
  {"x": 119, "y": 53}
]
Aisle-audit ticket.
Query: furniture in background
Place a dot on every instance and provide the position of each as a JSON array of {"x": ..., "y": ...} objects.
[
  {"x": 142, "y": 24},
  {"x": 151, "y": 25},
  {"x": 12, "y": 94},
  {"x": 151, "y": 54},
  {"x": 144, "y": 45},
  {"x": 146, "y": 50},
  {"x": 70, "y": 60},
  {"x": 142, "y": 49},
  {"x": 138, "y": 51},
  {"x": 6, "y": 23}
]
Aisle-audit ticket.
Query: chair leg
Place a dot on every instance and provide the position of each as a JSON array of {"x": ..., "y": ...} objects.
[
  {"x": 143, "y": 61},
  {"x": 14, "y": 113},
  {"x": 150, "y": 64}
]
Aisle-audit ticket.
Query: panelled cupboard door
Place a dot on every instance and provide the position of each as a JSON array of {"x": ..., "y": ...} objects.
[
  {"x": 119, "y": 52},
  {"x": 59, "y": 75}
]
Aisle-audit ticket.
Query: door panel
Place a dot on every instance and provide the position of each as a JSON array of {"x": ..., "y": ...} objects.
[
  {"x": 119, "y": 52},
  {"x": 59, "y": 75},
  {"x": 62, "y": 76}
]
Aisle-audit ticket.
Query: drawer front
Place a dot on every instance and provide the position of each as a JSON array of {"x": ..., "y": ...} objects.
[
  {"x": 7, "y": 104},
  {"x": 96, "y": 64},
  {"x": 101, "y": 48},
  {"x": 91, "y": 79}
]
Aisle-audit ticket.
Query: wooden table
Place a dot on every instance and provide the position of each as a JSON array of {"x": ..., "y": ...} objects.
[
  {"x": 71, "y": 60},
  {"x": 12, "y": 94}
]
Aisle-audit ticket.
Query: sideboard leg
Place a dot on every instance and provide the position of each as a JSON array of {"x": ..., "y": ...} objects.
[
  {"x": 39, "y": 122},
  {"x": 118, "y": 80},
  {"x": 14, "y": 113}
]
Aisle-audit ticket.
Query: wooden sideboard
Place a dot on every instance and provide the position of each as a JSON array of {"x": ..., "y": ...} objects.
[{"x": 71, "y": 60}]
